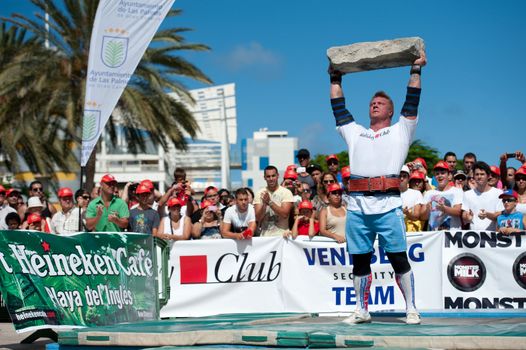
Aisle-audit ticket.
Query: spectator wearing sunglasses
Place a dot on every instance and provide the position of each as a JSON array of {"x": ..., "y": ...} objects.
[
  {"x": 333, "y": 164},
  {"x": 37, "y": 189},
  {"x": 321, "y": 199},
  {"x": 508, "y": 173},
  {"x": 5, "y": 208},
  {"x": 108, "y": 212},
  {"x": 303, "y": 157},
  {"x": 510, "y": 221}
]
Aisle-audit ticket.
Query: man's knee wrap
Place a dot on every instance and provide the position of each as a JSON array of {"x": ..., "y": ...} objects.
[
  {"x": 399, "y": 262},
  {"x": 362, "y": 264}
]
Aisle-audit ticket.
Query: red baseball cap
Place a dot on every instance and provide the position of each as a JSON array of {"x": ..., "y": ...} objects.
[
  {"x": 291, "y": 167},
  {"x": 290, "y": 174},
  {"x": 495, "y": 170},
  {"x": 34, "y": 218},
  {"x": 210, "y": 189},
  {"x": 441, "y": 165},
  {"x": 421, "y": 161},
  {"x": 10, "y": 191},
  {"x": 334, "y": 187},
  {"x": 147, "y": 183},
  {"x": 206, "y": 204},
  {"x": 65, "y": 192},
  {"x": 108, "y": 178},
  {"x": 174, "y": 202},
  {"x": 331, "y": 156},
  {"x": 520, "y": 171},
  {"x": 142, "y": 189},
  {"x": 305, "y": 205},
  {"x": 346, "y": 172},
  {"x": 417, "y": 175}
]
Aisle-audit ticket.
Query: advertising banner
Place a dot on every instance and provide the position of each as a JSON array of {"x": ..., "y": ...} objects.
[
  {"x": 121, "y": 33},
  {"x": 279, "y": 275},
  {"x": 85, "y": 279},
  {"x": 484, "y": 270}
]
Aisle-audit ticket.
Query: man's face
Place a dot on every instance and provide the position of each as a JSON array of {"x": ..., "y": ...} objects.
[
  {"x": 305, "y": 191},
  {"x": 36, "y": 190},
  {"x": 510, "y": 175},
  {"x": 481, "y": 178},
  {"x": 109, "y": 187},
  {"x": 333, "y": 165},
  {"x": 225, "y": 198},
  {"x": 468, "y": 163},
  {"x": 316, "y": 176},
  {"x": 271, "y": 177},
  {"x": 242, "y": 202},
  {"x": 83, "y": 201},
  {"x": 452, "y": 162},
  {"x": 144, "y": 198},
  {"x": 442, "y": 177},
  {"x": 66, "y": 203},
  {"x": 509, "y": 203},
  {"x": 303, "y": 160},
  {"x": 212, "y": 196},
  {"x": 12, "y": 199},
  {"x": 380, "y": 108}
]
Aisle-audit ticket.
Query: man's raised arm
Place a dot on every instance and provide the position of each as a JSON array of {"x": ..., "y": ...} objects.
[
  {"x": 341, "y": 114},
  {"x": 412, "y": 99}
]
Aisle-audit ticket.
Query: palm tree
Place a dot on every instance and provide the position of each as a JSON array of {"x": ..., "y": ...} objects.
[
  {"x": 144, "y": 104},
  {"x": 24, "y": 107}
]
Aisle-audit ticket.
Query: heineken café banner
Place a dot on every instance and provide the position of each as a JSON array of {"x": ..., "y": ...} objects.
[{"x": 49, "y": 281}]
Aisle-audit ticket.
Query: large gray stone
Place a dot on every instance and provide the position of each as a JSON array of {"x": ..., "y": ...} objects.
[{"x": 366, "y": 56}]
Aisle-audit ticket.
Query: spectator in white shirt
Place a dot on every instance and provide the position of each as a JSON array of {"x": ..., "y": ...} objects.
[{"x": 481, "y": 205}]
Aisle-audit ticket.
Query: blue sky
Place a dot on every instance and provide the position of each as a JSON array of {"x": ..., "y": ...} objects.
[{"x": 275, "y": 52}]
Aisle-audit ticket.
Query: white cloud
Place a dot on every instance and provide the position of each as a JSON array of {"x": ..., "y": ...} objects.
[{"x": 250, "y": 56}]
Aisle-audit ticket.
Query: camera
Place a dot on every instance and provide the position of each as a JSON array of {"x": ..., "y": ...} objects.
[{"x": 510, "y": 155}]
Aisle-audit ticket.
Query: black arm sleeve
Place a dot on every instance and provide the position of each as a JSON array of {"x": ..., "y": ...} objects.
[
  {"x": 412, "y": 99},
  {"x": 341, "y": 114}
]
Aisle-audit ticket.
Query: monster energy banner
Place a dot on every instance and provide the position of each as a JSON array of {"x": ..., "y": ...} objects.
[
  {"x": 121, "y": 33},
  {"x": 81, "y": 280}
]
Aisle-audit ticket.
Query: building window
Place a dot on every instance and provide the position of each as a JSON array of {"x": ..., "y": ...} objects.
[
  {"x": 250, "y": 183},
  {"x": 263, "y": 163}
]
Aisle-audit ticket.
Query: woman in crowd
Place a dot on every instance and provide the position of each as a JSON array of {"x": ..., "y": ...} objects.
[
  {"x": 520, "y": 184},
  {"x": 332, "y": 218},
  {"x": 321, "y": 199},
  {"x": 208, "y": 227},
  {"x": 175, "y": 227}
]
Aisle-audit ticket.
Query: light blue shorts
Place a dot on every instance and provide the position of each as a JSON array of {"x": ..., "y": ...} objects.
[{"x": 361, "y": 231}]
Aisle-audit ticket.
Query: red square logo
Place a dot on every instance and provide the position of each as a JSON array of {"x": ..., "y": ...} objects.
[{"x": 193, "y": 269}]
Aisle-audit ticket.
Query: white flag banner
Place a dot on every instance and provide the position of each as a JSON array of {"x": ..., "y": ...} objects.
[{"x": 121, "y": 33}]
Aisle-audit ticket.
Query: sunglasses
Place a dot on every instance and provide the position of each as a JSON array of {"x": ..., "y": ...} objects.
[
  {"x": 306, "y": 191},
  {"x": 86, "y": 197},
  {"x": 508, "y": 200},
  {"x": 328, "y": 181},
  {"x": 336, "y": 193},
  {"x": 2, "y": 193},
  {"x": 332, "y": 162},
  {"x": 37, "y": 189}
]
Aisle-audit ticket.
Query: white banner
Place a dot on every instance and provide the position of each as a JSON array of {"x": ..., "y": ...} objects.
[
  {"x": 121, "y": 33},
  {"x": 277, "y": 275},
  {"x": 484, "y": 270}
]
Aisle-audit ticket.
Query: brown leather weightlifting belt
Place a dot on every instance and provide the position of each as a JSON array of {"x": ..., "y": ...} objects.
[{"x": 375, "y": 185}]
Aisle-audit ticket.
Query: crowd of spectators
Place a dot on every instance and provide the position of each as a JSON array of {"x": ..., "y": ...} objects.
[{"x": 303, "y": 201}]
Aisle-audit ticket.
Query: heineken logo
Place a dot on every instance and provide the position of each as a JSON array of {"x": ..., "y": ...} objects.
[
  {"x": 80, "y": 263},
  {"x": 90, "y": 124},
  {"x": 114, "y": 51}
]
